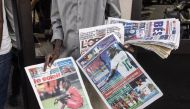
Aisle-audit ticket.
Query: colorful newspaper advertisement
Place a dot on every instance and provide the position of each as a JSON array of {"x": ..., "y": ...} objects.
[
  {"x": 117, "y": 77},
  {"x": 89, "y": 36},
  {"x": 59, "y": 87}
]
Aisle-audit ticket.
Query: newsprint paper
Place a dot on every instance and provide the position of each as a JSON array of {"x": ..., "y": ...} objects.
[
  {"x": 89, "y": 36},
  {"x": 60, "y": 87},
  {"x": 117, "y": 77},
  {"x": 164, "y": 31},
  {"x": 161, "y": 35}
]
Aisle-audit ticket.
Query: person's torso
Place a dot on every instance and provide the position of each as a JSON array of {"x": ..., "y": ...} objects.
[
  {"x": 77, "y": 14},
  {"x": 6, "y": 40}
]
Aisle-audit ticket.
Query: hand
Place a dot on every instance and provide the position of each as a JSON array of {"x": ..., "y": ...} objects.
[
  {"x": 33, "y": 3},
  {"x": 50, "y": 58},
  {"x": 127, "y": 47}
]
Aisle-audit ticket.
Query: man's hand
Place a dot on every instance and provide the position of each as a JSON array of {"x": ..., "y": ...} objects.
[
  {"x": 50, "y": 58},
  {"x": 127, "y": 47},
  {"x": 33, "y": 3}
]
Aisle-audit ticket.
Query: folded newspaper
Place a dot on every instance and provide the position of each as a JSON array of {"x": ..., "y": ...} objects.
[
  {"x": 117, "y": 77},
  {"x": 89, "y": 36},
  {"x": 161, "y": 36},
  {"x": 60, "y": 87}
]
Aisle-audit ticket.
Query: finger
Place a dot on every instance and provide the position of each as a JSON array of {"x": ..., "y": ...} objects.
[
  {"x": 129, "y": 48},
  {"x": 127, "y": 45},
  {"x": 52, "y": 60},
  {"x": 124, "y": 47},
  {"x": 47, "y": 62}
]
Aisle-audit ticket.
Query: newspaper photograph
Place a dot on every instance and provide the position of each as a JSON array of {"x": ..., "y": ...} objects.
[
  {"x": 59, "y": 87},
  {"x": 117, "y": 77},
  {"x": 89, "y": 36}
]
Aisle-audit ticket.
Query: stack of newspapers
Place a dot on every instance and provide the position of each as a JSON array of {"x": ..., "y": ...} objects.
[
  {"x": 116, "y": 76},
  {"x": 160, "y": 36},
  {"x": 114, "y": 73}
]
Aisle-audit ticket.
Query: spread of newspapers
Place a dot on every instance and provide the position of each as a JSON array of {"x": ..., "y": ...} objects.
[
  {"x": 89, "y": 36},
  {"x": 161, "y": 36},
  {"x": 115, "y": 74},
  {"x": 117, "y": 77},
  {"x": 59, "y": 87}
]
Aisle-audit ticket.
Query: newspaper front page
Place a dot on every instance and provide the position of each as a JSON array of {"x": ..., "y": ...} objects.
[
  {"x": 160, "y": 36},
  {"x": 117, "y": 77},
  {"x": 150, "y": 31},
  {"x": 59, "y": 87},
  {"x": 89, "y": 36}
]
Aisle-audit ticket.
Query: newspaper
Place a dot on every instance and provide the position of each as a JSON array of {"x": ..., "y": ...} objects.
[
  {"x": 117, "y": 77},
  {"x": 162, "y": 32},
  {"x": 60, "y": 87},
  {"x": 89, "y": 36}
]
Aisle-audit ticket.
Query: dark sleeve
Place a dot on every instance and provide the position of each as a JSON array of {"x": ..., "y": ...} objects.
[
  {"x": 113, "y": 8},
  {"x": 9, "y": 14},
  {"x": 56, "y": 22}
]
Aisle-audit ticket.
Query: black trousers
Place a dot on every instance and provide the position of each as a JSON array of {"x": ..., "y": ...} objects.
[{"x": 16, "y": 76}]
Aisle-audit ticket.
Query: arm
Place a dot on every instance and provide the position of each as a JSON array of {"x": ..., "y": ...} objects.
[
  {"x": 56, "y": 22},
  {"x": 56, "y": 26},
  {"x": 9, "y": 14},
  {"x": 57, "y": 38},
  {"x": 63, "y": 99},
  {"x": 113, "y": 8},
  {"x": 127, "y": 47},
  {"x": 114, "y": 66},
  {"x": 33, "y": 3},
  {"x": 111, "y": 74}
]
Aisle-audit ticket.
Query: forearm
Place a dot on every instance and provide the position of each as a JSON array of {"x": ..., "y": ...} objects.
[
  {"x": 62, "y": 97},
  {"x": 114, "y": 9},
  {"x": 33, "y": 3},
  {"x": 57, "y": 44}
]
